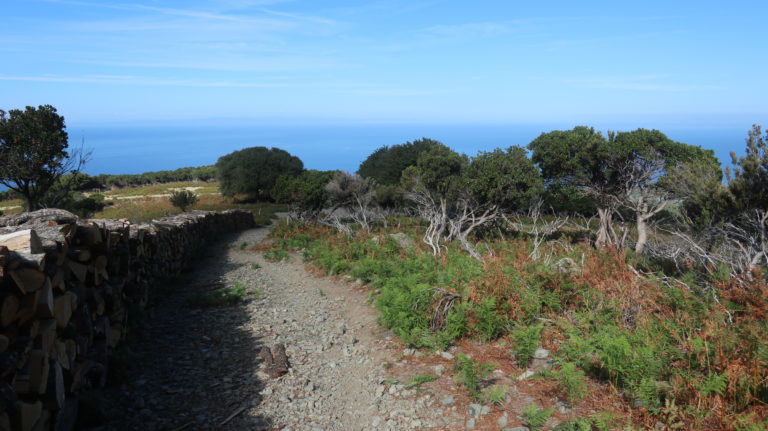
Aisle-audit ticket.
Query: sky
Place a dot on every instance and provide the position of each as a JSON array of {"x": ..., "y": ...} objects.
[{"x": 697, "y": 63}]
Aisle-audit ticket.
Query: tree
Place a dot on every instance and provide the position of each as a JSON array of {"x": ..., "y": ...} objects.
[
  {"x": 254, "y": 171},
  {"x": 354, "y": 194},
  {"x": 749, "y": 182},
  {"x": 578, "y": 159},
  {"x": 457, "y": 195},
  {"x": 305, "y": 193},
  {"x": 182, "y": 199},
  {"x": 386, "y": 164},
  {"x": 432, "y": 185},
  {"x": 639, "y": 163},
  {"x": 33, "y": 152}
]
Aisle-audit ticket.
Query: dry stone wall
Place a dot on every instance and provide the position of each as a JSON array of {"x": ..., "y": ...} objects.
[{"x": 66, "y": 286}]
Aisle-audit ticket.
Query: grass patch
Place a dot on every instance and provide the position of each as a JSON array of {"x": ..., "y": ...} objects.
[
  {"x": 418, "y": 380},
  {"x": 275, "y": 255},
  {"x": 230, "y": 295}
]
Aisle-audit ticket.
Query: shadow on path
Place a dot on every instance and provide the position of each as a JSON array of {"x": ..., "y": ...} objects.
[{"x": 197, "y": 366}]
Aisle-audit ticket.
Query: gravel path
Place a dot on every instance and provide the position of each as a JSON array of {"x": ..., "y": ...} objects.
[{"x": 202, "y": 369}]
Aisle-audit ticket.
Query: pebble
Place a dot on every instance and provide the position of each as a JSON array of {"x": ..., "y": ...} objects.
[
  {"x": 541, "y": 354},
  {"x": 446, "y": 355}
]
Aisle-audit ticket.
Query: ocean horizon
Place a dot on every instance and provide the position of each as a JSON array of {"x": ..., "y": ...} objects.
[{"x": 134, "y": 149}]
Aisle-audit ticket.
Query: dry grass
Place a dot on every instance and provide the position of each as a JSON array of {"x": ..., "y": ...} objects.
[
  {"x": 144, "y": 209},
  {"x": 198, "y": 187}
]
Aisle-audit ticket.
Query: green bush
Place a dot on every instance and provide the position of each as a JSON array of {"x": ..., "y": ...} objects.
[{"x": 182, "y": 199}]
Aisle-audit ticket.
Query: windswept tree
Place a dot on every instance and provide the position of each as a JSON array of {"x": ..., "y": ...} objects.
[
  {"x": 305, "y": 193},
  {"x": 34, "y": 152},
  {"x": 457, "y": 195},
  {"x": 497, "y": 182},
  {"x": 639, "y": 163},
  {"x": 431, "y": 186},
  {"x": 628, "y": 169},
  {"x": 355, "y": 195},
  {"x": 386, "y": 164},
  {"x": 578, "y": 159}
]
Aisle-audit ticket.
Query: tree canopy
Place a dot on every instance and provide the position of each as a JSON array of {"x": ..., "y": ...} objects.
[
  {"x": 386, "y": 164},
  {"x": 253, "y": 171},
  {"x": 749, "y": 183},
  {"x": 507, "y": 179},
  {"x": 33, "y": 151}
]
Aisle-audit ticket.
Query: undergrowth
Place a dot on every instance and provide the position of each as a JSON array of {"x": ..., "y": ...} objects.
[{"x": 693, "y": 351}]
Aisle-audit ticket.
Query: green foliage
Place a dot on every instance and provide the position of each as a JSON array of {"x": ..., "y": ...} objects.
[
  {"x": 220, "y": 297},
  {"x": 456, "y": 325},
  {"x": 713, "y": 384},
  {"x": 439, "y": 170},
  {"x": 534, "y": 417},
  {"x": 182, "y": 199},
  {"x": 305, "y": 193},
  {"x": 296, "y": 242},
  {"x": 526, "y": 342},
  {"x": 386, "y": 164},
  {"x": 275, "y": 255},
  {"x": 418, "y": 380},
  {"x": 403, "y": 303},
  {"x": 507, "y": 179},
  {"x": 255, "y": 265},
  {"x": 749, "y": 184},
  {"x": 490, "y": 324},
  {"x": 495, "y": 394},
  {"x": 471, "y": 373},
  {"x": 254, "y": 171},
  {"x": 33, "y": 152},
  {"x": 570, "y": 380},
  {"x": 590, "y": 423}
]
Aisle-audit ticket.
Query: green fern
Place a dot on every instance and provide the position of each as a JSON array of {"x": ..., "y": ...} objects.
[
  {"x": 496, "y": 394},
  {"x": 534, "y": 417},
  {"x": 490, "y": 324},
  {"x": 713, "y": 384},
  {"x": 526, "y": 342},
  {"x": 471, "y": 373}
]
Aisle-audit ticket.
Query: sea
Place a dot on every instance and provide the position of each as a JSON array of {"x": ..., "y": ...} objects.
[{"x": 133, "y": 149}]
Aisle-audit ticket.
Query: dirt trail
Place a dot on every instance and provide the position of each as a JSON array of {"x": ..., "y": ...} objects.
[{"x": 201, "y": 368}]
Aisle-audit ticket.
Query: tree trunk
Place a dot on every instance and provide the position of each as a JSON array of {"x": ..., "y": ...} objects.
[
  {"x": 604, "y": 231},
  {"x": 642, "y": 233}
]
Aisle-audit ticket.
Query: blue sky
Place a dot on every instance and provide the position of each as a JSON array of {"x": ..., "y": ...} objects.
[{"x": 485, "y": 62}]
